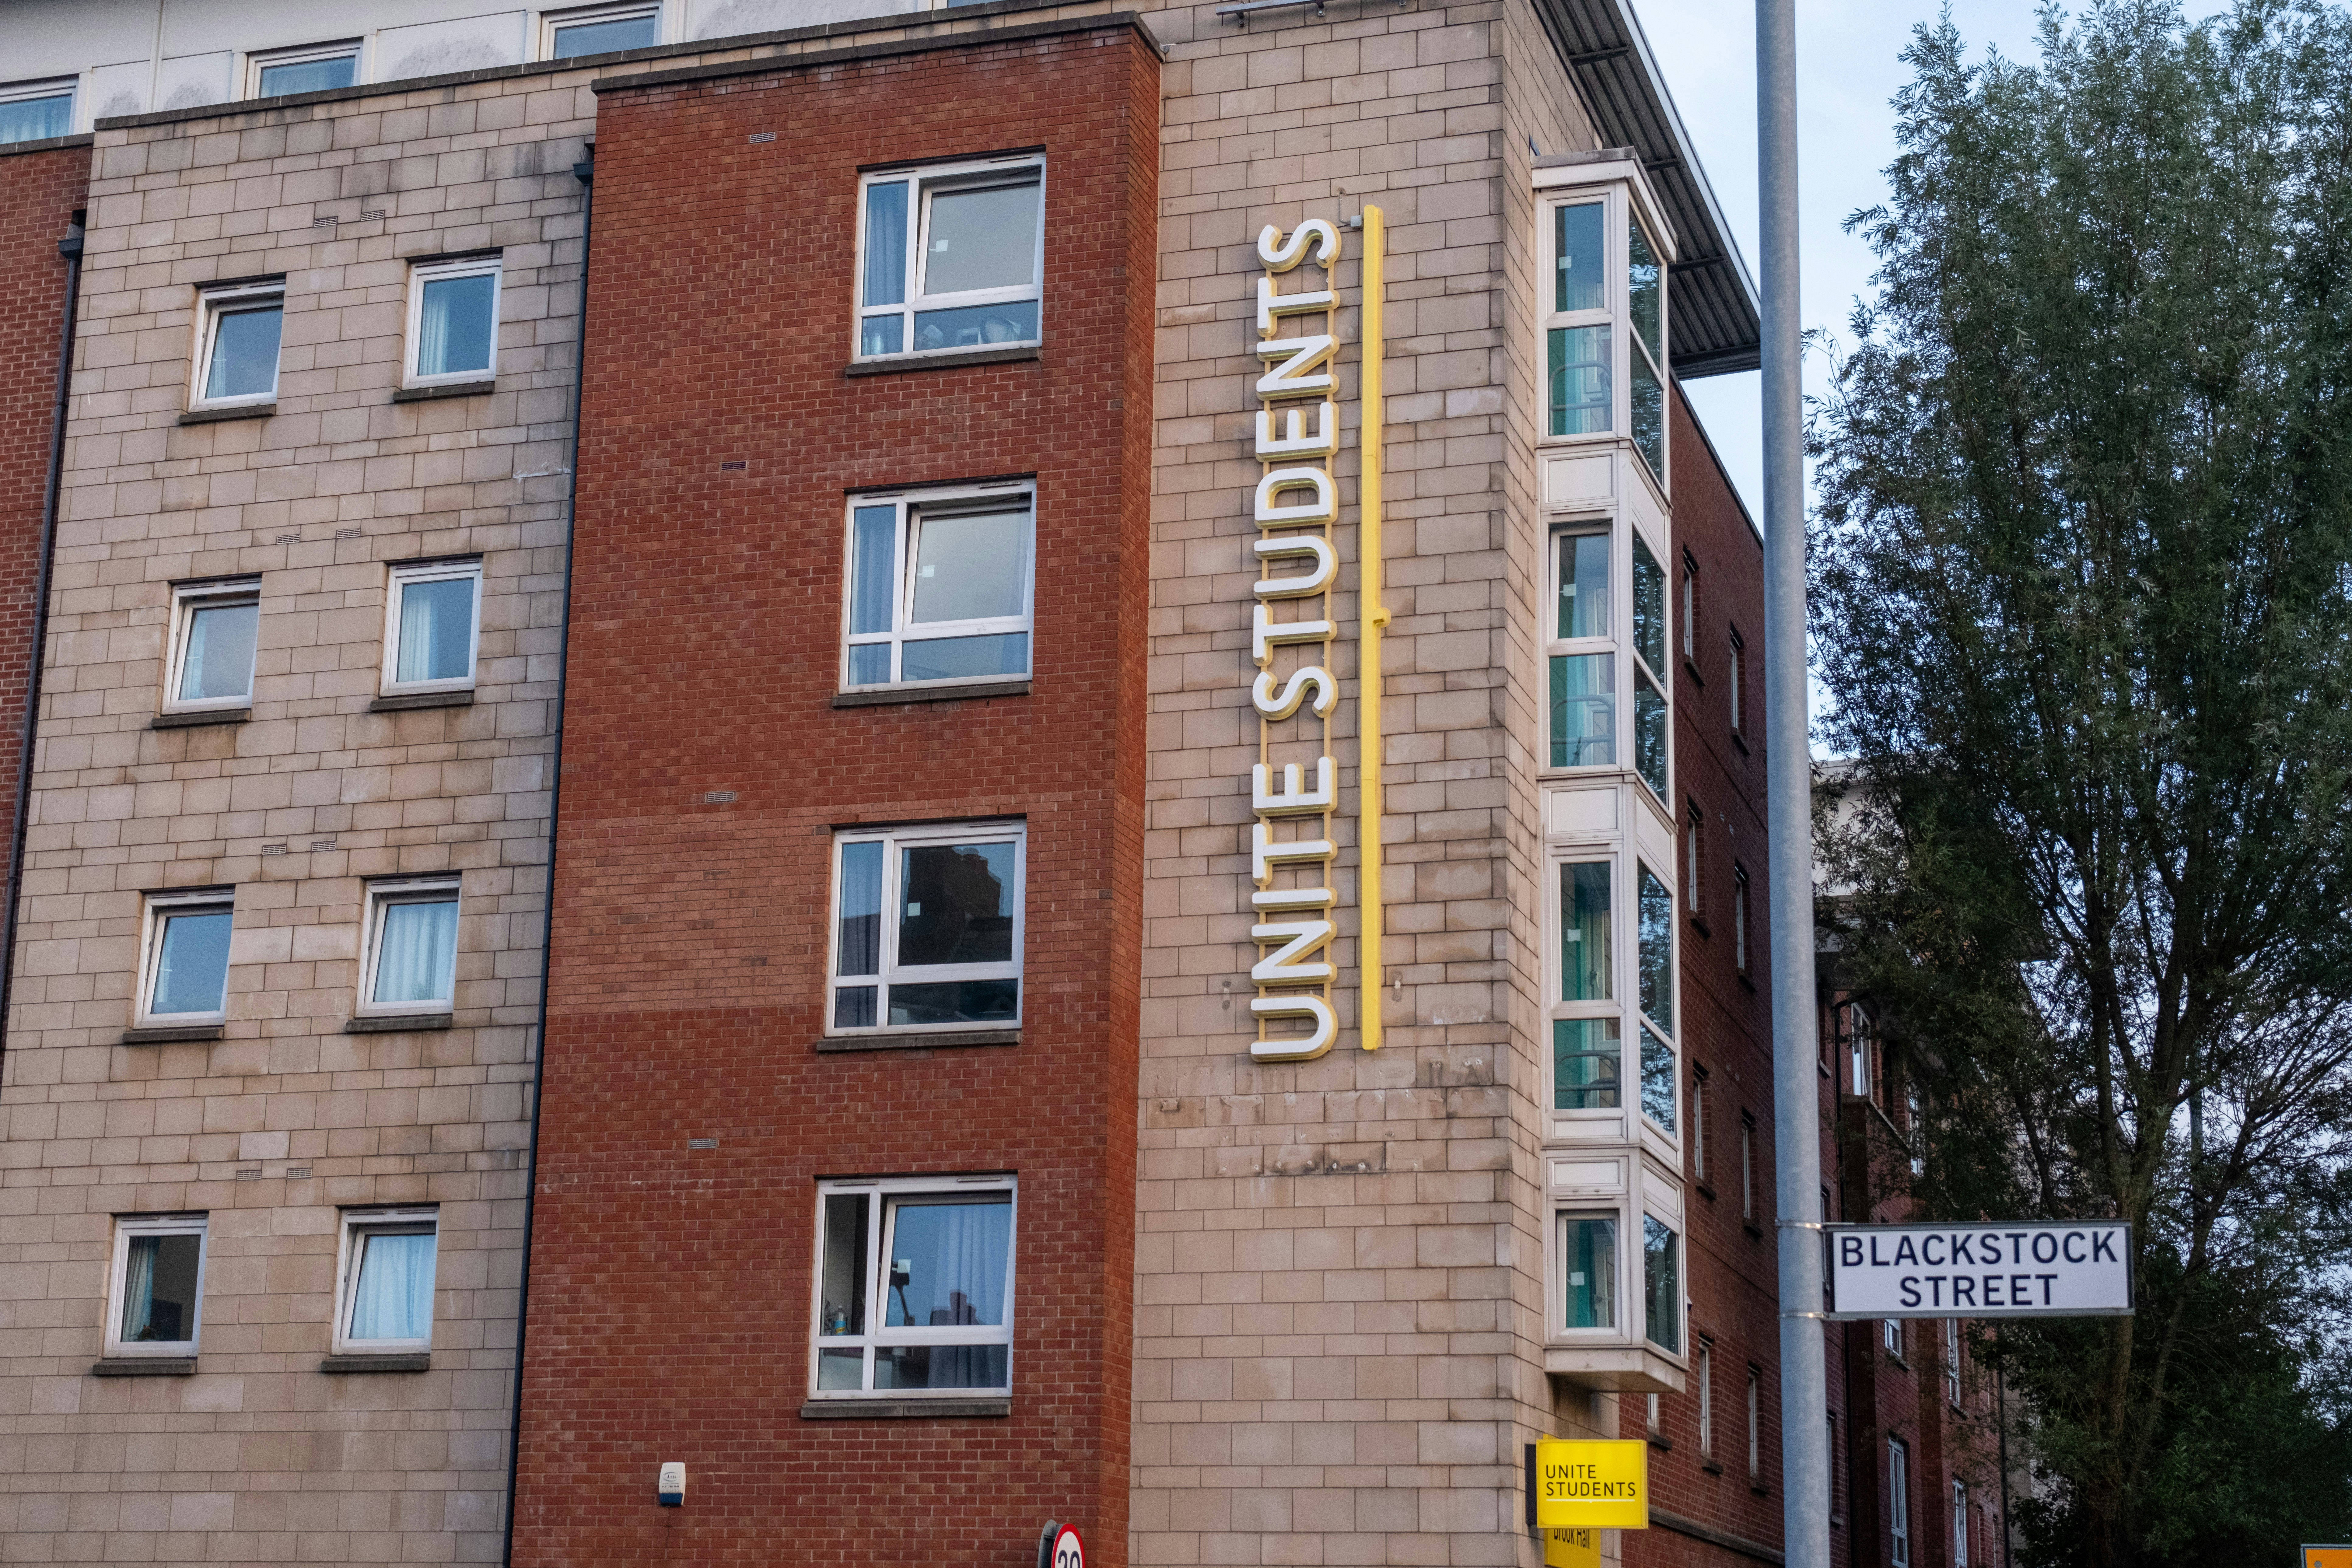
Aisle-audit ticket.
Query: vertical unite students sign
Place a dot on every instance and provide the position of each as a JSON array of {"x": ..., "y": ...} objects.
[{"x": 2031, "y": 1268}]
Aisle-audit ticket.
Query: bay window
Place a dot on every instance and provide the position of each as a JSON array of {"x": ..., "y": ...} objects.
[
  {"x": 1605, "y": 324},
  {"x": 914, "y": 1288},
  {"x": 1587, "y": 1254},
  {"x": 1587, "y": 1050},
  {"x": 1656, "y": 953},
  {"x": 1662, "y": 1284}
]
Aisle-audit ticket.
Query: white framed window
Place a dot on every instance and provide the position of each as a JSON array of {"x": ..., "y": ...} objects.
[
  {"x": 1706, "y": 1399},
  {"x": 1604, "y": 324},
  {"x": 1588, "y": 1046},
  {"x": 183, "y": 978},
  {"x": 158, "y": 1285},
  {"x": 1694, "y": 858},
  {"x": 1861, "y": 1056},
  {"x": 1959, "y": 1524},
  {"x": 315, "y": 68},
  {"x": 1651, "y": 1417},
  {"x": 1698, "y": 1125},
  {"x": 927, "y": 928},
  {"x": 1582, "y": 652},
  {"x": 1738, "y": 689},
  {"x": 35, "y": 110},
  {"x": 215, "y": 626},
  {"x": 1747, "y": 1168},
  {"x": 1654, "y": 914},
  {"x": 1690, "y": 607},
  {"x": 599, "y": 30},
  {"x": 432, "y": 627},
  {"x": 1755, "y": 1424},
  {"x": 1662, "y": 1284},
  {"x": 1891, "y": 1335},
  {"x": 1589, "y": 1270},
  {"x": 950, "y": 256},
  {"x": 384, "y": 1297},
  {"x": 1653, "y": 745},
  {"x": 1952, "y": 1360},
  {"x": 914, "y": 1288},
  {"x": 238, "y": 333},
  {"x": 1740, "y": 953},
  {"x": 410, "y": 946},
  {"x": 940, "y": 586},
  {"x": 453, "y": 321},
  {"x": 1898, "y": 1503}
]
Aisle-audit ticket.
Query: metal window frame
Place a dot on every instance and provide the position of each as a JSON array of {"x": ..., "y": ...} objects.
[
  {"x": 888, "y": 971},
  {"x": 924, "y": 181},
  {"x": 880, "y": 1217},
  {"x": 991, "y": 497},
  {"x": 546, "y": 23}
]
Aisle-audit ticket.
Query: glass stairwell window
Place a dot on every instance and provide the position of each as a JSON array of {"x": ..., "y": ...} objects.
[
  {"x": 1656, "y": 962},
  {"x": 1588, "y": 1052},
  {"x": 1645, "y": 291},
  {"x": 1577, "y": 348},
  {"x": 1583, "y": 663},
  {"x": 1605, "y": 323},
  {"x": 1649, "y": 715}
]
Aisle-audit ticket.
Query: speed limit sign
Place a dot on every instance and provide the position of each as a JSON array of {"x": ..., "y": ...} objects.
[{"x": 1069, "y": 1551}]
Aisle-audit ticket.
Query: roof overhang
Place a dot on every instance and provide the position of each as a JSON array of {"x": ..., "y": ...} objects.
[{"x": 1715, "y": 327}]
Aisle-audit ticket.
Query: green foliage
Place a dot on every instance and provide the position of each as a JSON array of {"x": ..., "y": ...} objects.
[{"x": 2083, "y": 600}]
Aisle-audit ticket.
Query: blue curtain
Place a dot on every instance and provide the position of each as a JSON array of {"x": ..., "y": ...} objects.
[
  {"x": 393, "y": 1299},
  {"x": 885, "y": 244},
  {"x": 416, "y": 956}
]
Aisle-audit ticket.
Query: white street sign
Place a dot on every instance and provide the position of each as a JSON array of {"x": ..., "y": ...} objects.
[
  {"x": 2031, "y": 1268},
  {"x": 1069, "y": 1551}
]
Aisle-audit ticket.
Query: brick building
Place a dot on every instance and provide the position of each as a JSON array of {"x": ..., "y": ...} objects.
[{"x": 716, "y": 519}]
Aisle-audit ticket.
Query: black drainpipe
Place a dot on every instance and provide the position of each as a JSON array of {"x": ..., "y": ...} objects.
[
  {"x": 585, "y": 172},
  {"x": 71, "y": 248}
]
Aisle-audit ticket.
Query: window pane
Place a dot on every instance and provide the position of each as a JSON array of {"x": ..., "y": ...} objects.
[
  {"x": 941, "y": 1366},
  {"x": 245, "y": 353},
  {"x": 34, "y": 119},
  {"x": 1584, "y": 586},
  {"x": 882, "y": 335},
  {"x": 1649, "y": 607},
  {"x": 1577, "y": 360},
  {"x": 1658, "y": 954},
  {"x": 1586, "y": 948},
  {"x": 159, "y": 1289},
  {"x": 219, "y": 662},
  {"x": 1645, "y": 280},
  {"x": 604, "y": 37},
  {"x": 948, "y": 1260},
  {"x": 873, "y": 538},
  {"x": 1650, "y": 733},
  {"x": 309, "y": 76},
  {"x": 1657, "y": 1081},
  {"x": 416, "y": 956},
  {"x": 1584, "y": 280},
  {"x": 841, "y": 1368},
  {"x": 885, "y": 251},
  {"x": 456, "y": 324},
  {"x": 977, "y": 326},
  {"x": 958, "y": 659},
  {"x": 1661, "y": 1287},
  {"x": 1649, "y": 417},
  {"x": 842, "y": 1309},
  {"x": 394, "y": 1297},
  {"x": 957, "y": 905},
  {"x": 853, "y": 1006},
  {"x": 1588, "y": 1251},
  {"x": 860, "y": 912},
  {"x": 869, "y": 664},
  {"x": 437, "y": 630},
  {"x": 984, "y": 238},
  {"x": 1583, "y": 709},
  {"x": 192, "y": 971},
  {"x": 1585, "y": 1063},
  {"x": 956, "y": 1002},
  {"x": 971, "y": 568}
]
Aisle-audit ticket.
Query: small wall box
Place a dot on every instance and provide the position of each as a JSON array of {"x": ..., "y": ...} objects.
[{"x": 672, "y": 1486}]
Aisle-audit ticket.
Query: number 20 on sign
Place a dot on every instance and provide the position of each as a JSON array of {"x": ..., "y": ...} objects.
[{"x": 1582, "y": 1485}]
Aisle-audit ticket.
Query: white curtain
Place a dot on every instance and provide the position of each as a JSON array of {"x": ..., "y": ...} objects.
[
  {"x": 432, "y": 331},
  {"x": 416, "y": 956},
  {"x": 139, "y": 1287},
  {"x": 394, "y": 1300}
]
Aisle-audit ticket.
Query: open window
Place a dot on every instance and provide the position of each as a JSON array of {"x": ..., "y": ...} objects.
[
  {"x": 914, "y": 1288},
  {"x": 158, "y": 1285},
  {"x": 950, "y": 256},
  {"x": 216, "y": 628},
  {"x": 238, "y": 333},
  {"x": 184, "y": 975}
]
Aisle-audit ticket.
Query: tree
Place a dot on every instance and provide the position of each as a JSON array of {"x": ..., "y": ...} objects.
[{"x": 2083, "y": 606}]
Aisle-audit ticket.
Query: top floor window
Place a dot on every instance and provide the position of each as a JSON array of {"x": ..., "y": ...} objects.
[
  {"x": 1605, "y": 326},
  {"x": 317, "y": 68},
  {"x": 600, "y": 30},
  {"x": 950, "y": 256},
  {"x": 35, "y": 110}
]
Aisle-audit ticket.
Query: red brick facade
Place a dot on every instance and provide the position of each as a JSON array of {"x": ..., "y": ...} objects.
[
  {"x": 1728, "y": 1031},
  {"x": 706, "y": 766},
  {"x": 40, "y": 194}
]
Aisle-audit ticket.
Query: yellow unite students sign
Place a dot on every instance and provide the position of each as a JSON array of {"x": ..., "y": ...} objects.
[{"x": 1585, "y": 1485}]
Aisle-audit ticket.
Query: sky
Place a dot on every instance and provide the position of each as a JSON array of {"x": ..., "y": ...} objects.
[{"x": 1848, "y": 67}]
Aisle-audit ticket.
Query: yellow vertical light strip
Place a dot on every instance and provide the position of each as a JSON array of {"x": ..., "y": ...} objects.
[{"x": 1372, "y": 615}]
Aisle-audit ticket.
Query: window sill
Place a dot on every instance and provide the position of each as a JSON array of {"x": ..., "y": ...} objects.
[
  {"x": 1699, "y": 926},
  {"x": 888, "y": 696},
  {"x": 1755, "y": 1232},
  {"x": 215, "y": 416},
  {"x": 1740, "y": 743},
  {"x": 423, "y": 699},
  {"x": 453, "y": 389},
  {"x": 172, "y": 1034},
  {"x": 144, "y": 1366},
  {"x": 396, "y": 1022},
  {"x": 1659, "y": 1441},
  {"x": 1749, "y": 984},
  {"x": 900, "y": 1409},
  {"x": 1703, "y": 1190},
  {"x": 1690, "y": 668},
  {"x": 1711, "y": 1467},
  {"x": 942, "y": 359},
  {"x": 917, "y": 1040},
  {"x": 410, "y": 1361},
  {"x": 190, "y": 720}
]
